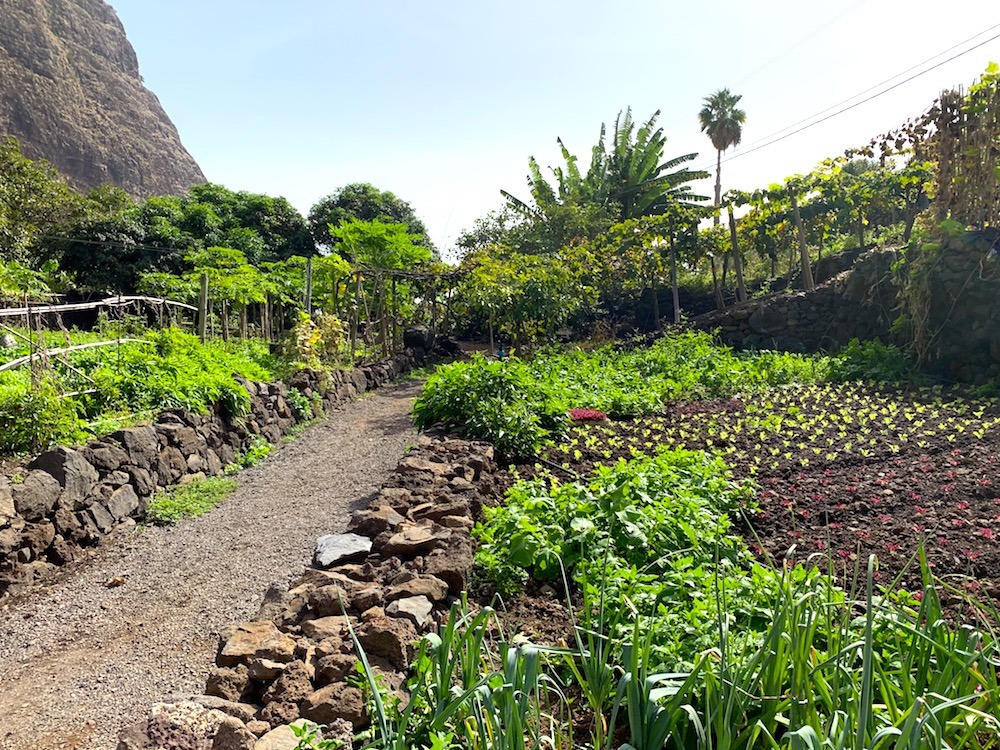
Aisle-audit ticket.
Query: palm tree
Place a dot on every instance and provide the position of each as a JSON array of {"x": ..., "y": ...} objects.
[{"x": 723, "y": 123}]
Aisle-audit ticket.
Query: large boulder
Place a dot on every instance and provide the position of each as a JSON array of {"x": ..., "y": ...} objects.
[
  {"x": 74, "y": 473},
  {"x": 140, "y": 443},
  {"x": 37, "y": 496}
]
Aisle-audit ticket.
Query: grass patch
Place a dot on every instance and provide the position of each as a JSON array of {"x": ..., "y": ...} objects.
[{"x": 189, "y": 500}]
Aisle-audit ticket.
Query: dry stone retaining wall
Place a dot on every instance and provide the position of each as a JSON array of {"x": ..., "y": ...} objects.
[
  {"x": 857, "y": 303},
  {"x": 394, "y": 574},
  {"x": 68, "y": 499},
  {"x": 956, "y": 287}
]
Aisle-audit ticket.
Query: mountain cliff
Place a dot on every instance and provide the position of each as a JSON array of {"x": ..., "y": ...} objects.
[{"x": 71, "y": 93}]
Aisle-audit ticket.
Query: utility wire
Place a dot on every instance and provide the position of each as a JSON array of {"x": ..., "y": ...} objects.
[
  {"x": 799, "y": 43},
  {"x": 771, "y": 139},
  {"x": 872, "y": 88}
]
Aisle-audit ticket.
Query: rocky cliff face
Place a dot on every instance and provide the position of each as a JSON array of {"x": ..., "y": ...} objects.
[{"x": 71, "y": 93}]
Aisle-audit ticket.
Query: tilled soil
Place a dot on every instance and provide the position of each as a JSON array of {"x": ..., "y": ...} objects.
[{"x": 80, "y": 660}]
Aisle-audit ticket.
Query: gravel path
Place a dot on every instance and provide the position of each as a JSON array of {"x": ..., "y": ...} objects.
[{"x": 78, "y": 660}]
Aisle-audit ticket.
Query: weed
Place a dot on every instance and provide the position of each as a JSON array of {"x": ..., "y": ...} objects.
[{"x": 189, "y": 500}]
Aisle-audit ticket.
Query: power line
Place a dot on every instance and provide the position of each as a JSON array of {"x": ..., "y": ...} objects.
[
  {"x": 799, "y": 43},
  {"x": 771, "y": 139},
  {"x": 877, "y": 85}
]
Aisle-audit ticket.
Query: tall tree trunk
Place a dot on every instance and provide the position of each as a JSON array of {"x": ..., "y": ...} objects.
[
  {"x": 719, "y": 302},
  {"x": 741, "y": 289},
  {"x": 718, "y": 190},
  {"x": 225, "y": 321},
  {"x": 807, "y": 276},
  {"x": 861, "y": 229},
  {"x": 244, "y": 322},
  {"x": 656, "y": 305},
  {"x": 673, "y": 283}
]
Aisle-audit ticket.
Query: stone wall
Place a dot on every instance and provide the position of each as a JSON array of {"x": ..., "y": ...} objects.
[
  {"x": 394, "y": 575},
  {"x": 948, "y": 294},
  {"x": 68, "y": 499},
  {"x": 857, "y": 303}
]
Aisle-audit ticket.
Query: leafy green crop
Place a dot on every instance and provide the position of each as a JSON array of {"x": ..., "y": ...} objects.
[{"x": 520, "y": 405}]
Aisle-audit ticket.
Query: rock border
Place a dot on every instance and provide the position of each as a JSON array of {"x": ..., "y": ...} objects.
[
  {"x": 70, "y": 498},
  {"x": 394, "y": 574}
]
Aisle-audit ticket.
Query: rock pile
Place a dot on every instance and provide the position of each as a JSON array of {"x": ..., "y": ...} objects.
[
  {"x": 68, "y": 499},
  {"x": 394, "y": 574}
]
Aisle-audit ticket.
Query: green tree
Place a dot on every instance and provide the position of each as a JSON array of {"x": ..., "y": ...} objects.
[
  {"x": 365, "y": 202},
  {"x": 628, "y": 178},
  {"x": 33, "y": 202},
  {"x": 378, "y": 245},
  {"x": 722, "y": 122}
]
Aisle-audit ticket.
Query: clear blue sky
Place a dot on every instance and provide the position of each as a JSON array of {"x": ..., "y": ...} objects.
[{"x": 443, "y": 102}]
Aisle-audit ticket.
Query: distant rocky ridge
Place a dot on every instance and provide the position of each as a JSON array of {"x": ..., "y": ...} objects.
[{"x": 71, "y": 93}]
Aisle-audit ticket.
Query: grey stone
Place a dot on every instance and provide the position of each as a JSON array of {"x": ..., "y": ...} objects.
[
  {"x": 141, "y": 479},
  {"x": 334, "y": 549},
  {"x": 140, "y": 443},
  {"x": 37, "y": 496},
  {"x": 101, "y": 517},
  {"x": 8, "y": 342},
  {"x": 105, "y": 456},
  {"x": 75, "y": 475},
  {"x": 123, "y": 502},
  {"x": 416, "y": 609},
  {"x": 7, "y": 510}
]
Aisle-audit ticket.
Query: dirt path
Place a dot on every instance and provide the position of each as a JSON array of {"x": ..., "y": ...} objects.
[{"x": 78, "y": 660}]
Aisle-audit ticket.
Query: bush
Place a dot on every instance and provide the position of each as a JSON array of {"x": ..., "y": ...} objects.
[
  {"x": 873, "y": 362},
  {"x": 32, "y": 418}
]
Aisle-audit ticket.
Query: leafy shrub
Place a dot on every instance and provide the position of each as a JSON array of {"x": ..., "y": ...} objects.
[
  {"x": 498, "y": 401},
  {"x": 873, "y": 362},
  {"x": 32, "y": 418}
]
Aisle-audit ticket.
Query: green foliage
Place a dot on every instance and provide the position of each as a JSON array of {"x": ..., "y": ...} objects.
[
  {"x": 526, "y": 297},
  {"x": 520, "y": 404},
  {"x": 361, "y": 201},
  {"x": 33, "y": 201},
  {"x": 872, "y": 361},
  {"x": 632, "y": 515},
  {"x": 627, "y": 175},
  {"x": 378, "y": 245},
  {"x": 168, "y": 368},
  {"x": 189, "y": 500},
  {"x": 113, "y": 244},
  {"x": 258, "y": 450},
  {"x": 35, "y": 416}
]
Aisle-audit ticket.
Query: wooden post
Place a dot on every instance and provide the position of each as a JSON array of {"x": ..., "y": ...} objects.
[
  {"x": 203, "y": 308},
  {"x": 307, "y": 303}
]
